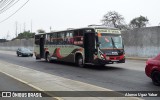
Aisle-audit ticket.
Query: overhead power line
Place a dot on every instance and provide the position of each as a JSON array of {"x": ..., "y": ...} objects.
[
  {"x": 12, "y": 3},
  {"x": 4, "y": 3},
  {"x": 15, "y": 12}
]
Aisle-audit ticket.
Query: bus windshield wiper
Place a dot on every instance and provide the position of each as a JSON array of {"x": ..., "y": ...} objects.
[
  {"x": 113, "y": 43},
  {"x": 114, "y": 46}
]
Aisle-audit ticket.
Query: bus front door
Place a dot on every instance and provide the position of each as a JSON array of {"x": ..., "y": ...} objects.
[
  {"x": 89, "y": 47},
  {"x": 41, "y": 45}
]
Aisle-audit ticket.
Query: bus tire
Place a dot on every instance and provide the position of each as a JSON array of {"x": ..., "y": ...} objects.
[
  {"x": 122, "y": 61},
  {"x": 79, "y": 61},
  {"x": 47, "y": 58}
]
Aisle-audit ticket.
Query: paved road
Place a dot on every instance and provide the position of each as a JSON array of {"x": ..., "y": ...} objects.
[
  {"x": 9, "y": 84},
  {"x": 119, "y": 77}
]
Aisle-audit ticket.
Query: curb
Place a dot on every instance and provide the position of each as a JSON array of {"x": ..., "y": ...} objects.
[{"x": 137, "y": 58}]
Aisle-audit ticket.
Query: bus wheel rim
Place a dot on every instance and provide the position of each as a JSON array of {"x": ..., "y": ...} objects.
[
  {"x": 48, "y": 56},
  {"x": 80, "y": 61}
]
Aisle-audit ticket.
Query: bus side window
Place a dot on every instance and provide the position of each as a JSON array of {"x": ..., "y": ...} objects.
[
  {"x": 78, "y": 37},
  {"x": 65, "y": 40},
  {"x": 48, "y": 39},
  {"x": 37, "y": 39},
  {"x": 37, "y": 42},
  {"x": 58, "y": 38},
  {"x": 80, "y": 32},
  {"x": 51, "y": 38},
  {"x": 55, "y": 38},
  {"x": 69, "y": 38},
  {"x": 62, "y": 38}
]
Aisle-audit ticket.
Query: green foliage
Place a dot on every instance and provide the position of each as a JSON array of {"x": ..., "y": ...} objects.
[
  {"x": 25, "y": 35},
  {"x": 113, "y": 19},
  {"x": 139, "y": 22},
  {"x": 40, "y": 31}
]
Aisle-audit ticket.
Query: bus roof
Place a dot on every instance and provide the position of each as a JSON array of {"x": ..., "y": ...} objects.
[{"x": 96, "y": 29}]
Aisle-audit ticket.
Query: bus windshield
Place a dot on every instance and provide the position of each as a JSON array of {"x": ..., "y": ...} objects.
[{"x": 110, "y": 41}]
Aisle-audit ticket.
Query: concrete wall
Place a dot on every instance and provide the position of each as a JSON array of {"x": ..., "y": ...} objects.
[
  {"x": 142, "y": 42},
  {"x": 13, "y": 45}
]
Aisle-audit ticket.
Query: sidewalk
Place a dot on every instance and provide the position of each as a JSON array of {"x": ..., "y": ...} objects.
[
  {"x": 137, "y": 58},
  {"x": 48, "y": 82}
]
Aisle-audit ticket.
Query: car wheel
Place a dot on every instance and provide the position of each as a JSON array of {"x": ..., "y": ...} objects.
[
  {"x": 156, "y": 78},
  {"x": 17, "y": 55},
  {"x": 79, "y": 61}
]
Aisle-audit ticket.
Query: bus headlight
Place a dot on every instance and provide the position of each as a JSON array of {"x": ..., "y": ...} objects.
[{"x": 102, "y": 56}]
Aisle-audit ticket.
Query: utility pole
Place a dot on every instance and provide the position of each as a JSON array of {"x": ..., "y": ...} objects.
[
  {"x": 31, "y": 26},
  {"x": 50, "y": 28},
  {"x": 20, "y": 29},
  {"x": 24, "y": 27},
  {"x": 7, "y": 37},
  {"x": 16, "y": 29}
]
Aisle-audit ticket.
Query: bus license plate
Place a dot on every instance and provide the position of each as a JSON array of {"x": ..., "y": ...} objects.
[{"x": 114, "y": 60}]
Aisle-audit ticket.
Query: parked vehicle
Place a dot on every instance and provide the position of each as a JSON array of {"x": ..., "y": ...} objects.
[
  {"x": 152, "y": 69},
  {"x": 24, "y": 52}
]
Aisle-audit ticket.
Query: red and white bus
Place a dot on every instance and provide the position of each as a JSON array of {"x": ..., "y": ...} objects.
[{"x": 90, "y": 45}]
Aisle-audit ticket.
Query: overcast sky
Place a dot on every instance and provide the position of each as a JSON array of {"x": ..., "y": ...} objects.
[{"x": 63, "y": 14}]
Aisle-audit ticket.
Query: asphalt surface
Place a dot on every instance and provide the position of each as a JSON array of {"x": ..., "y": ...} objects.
[
  {"x": 8, "y": 84},
  {"x": 119, "y": 77}
]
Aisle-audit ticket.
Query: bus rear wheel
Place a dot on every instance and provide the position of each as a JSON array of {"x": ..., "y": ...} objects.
[
  {"x": 47, "y": 57},
  {"x": 79, "y": 61}
]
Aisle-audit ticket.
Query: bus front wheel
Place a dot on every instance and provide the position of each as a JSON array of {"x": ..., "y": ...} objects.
[{"x": 79, "y": 61}]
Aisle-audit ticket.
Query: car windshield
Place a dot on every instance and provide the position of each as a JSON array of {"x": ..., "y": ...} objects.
[
  {"x": 110, "y": 41},
  {"x": 25, "y": 50}
]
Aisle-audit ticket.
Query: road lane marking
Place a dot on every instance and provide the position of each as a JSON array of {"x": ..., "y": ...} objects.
[{"x": 24, "y": 82}]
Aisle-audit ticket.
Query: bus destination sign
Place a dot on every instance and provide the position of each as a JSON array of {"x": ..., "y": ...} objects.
[{"x": 107, "y": 31}]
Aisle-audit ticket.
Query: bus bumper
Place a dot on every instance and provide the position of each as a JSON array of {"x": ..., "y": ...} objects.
[{"x": 102, "y": 62}]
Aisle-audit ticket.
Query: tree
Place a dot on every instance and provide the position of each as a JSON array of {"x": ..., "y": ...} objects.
[
  {"x": 113, "y": 19},
  {"x": 139, "y": 22},
  {"x": 25, "y": 35},
  {"x": 40, "y": 31}
]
